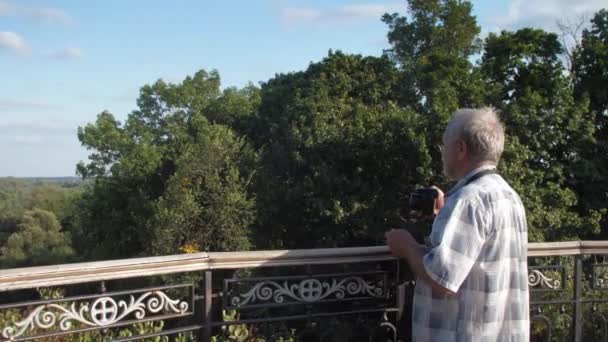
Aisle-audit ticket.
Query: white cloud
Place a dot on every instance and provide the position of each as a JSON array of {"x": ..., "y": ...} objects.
[
  {"x": 37, "y": 127},
  {"x": 29, "y": 132},
  {"x": 50, "y": 15},
  {"x": 28, "y": 139},
  {"x": 372, "y": 11},
  {"x": 67, "y": 53},
  {"x": 37, "y": 13},
  {"x": 341, "y": 14},
  {"x": 28, "y": 105},
  {"x": 12, "y": 42},
  {"x": 544, "y": 13},
  {"x": 298, "y": 15}
]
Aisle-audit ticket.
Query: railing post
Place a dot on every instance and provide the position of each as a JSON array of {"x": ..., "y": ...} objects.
[
  {"x": 207, "y": 306},
  {"x": 401, "y": 301},
  {"x": 578, "y": 293},
  {"x": 103, "y": 332}
]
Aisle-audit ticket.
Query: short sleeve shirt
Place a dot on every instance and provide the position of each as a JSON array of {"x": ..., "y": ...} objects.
[{"x": 477, "y": 249}]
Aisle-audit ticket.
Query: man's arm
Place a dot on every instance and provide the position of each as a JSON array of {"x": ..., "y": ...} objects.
[{"x": 403, "y": 245}]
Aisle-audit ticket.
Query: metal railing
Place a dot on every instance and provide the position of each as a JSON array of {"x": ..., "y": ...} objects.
[{"x": 297, "y": 294}]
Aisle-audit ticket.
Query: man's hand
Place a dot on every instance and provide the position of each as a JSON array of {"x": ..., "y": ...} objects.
[
  {"x": 398, "y": 240},
  {"x": 439, "y": 201},
  {"x": 402, "y": 244}
]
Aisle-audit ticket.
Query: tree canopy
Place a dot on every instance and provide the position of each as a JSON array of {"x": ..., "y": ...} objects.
[{"x": 327, "y": 156}]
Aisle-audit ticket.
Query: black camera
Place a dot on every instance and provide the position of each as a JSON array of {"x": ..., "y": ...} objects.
[{"x": 423, "y": 200}]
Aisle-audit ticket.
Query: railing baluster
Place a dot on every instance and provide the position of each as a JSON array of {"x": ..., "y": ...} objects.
[
  {"x": 578, "y": 305},
  {"x": 207, "y": 308},
  {"x": 103, "y": 332}
]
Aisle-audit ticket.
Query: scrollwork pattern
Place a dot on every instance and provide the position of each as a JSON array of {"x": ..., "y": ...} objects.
[
  {"x": 307, "y": 291},
  {"x": 102, "y": 312}
]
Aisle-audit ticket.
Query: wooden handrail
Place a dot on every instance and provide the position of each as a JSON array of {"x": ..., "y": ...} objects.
[
  {"x": 33, "y": 277},
  {"x": 567, "y": 248}
]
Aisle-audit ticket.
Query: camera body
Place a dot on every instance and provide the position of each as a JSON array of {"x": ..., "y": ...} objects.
[{"x": 423, "y": 200}]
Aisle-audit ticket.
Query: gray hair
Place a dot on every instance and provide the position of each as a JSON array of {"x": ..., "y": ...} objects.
[{"x": 481, "y": 130}]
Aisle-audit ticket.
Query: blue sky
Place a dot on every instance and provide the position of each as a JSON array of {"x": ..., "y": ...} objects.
[{"x": 64, "y": 61}]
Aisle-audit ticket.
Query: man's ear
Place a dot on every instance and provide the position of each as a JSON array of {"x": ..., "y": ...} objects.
[{"x": 461, "y": 149}]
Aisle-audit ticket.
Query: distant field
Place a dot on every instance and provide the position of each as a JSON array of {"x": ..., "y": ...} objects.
[
  {"x": 61, "y": 181},
  {"x": 46, "y": 179}
]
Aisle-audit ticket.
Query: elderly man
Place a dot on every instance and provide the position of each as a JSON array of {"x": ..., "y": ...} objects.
[{"x": 472, "y": 279}]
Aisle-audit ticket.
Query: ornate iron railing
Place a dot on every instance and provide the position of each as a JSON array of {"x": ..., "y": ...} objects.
[{"x": 322, "y": 294}]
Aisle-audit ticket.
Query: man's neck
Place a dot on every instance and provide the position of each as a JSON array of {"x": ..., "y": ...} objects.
[{"x": 466, "y": 171}]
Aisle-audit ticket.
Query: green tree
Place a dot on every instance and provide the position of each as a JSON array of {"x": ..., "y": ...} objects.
[
  {"x": 235, "y": 108},
  {"x": 18, "y": 195},
  {"x": 547, "y": 129},
  {"x": 590, "y": 72},
  {"x": 38, "y": 240},
  {"x": 434, "y": 46},
  {"x": 11, "y": 207},
  {"x": 326, "y": 156},
  {"x": 338, "y": 154},
  {"x": 206, "y": 204},
  {"x": 590, "y": 68},
  {"x": 139, "y": 166}
]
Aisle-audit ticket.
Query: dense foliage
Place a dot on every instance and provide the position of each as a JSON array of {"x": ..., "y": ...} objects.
[{"x": 326, "y": 156}]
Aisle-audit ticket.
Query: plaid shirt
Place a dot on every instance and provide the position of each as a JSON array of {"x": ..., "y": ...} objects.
[{"x": 478, "y": 249}]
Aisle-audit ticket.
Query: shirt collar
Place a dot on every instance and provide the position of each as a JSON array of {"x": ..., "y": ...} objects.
[{"x": 468, "y": 176}]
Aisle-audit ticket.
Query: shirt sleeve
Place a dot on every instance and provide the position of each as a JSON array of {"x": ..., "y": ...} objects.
[{"x": 449, "y": 262}]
